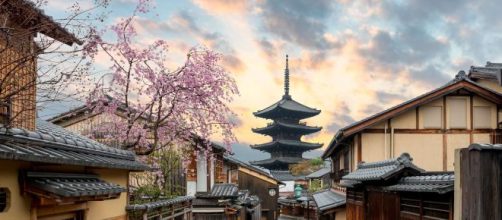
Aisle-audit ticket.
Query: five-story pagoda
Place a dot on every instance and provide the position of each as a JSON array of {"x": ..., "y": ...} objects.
[{"x": 286, "y": 130}]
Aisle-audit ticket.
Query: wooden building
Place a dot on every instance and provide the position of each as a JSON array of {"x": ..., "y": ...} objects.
[
  {"x": 205, "y": 171},
  {"x": 329, "y": 204},
  {"x": 83, "y": 120},
  {"x": 48, "y": 172},
  {"x": 478, "y": 188},
  {"x": 256, "y": 182},
  {"x": 397, "y": 189},
  {"x": 431, "y": 126},
  {"x": 286, "y": 130},
  {"x": 322, "y": 175},
  {"x": 225, "y": 201},
  {"x": 21, "y": 22}
]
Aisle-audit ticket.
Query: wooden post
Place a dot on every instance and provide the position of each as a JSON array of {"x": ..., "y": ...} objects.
[{"x": 481, "y": 183}]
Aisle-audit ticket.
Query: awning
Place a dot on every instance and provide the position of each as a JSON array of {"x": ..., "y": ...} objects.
[{"x": 59, "y": 186}]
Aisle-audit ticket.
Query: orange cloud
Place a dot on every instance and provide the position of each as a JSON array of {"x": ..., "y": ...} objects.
[{"x": 222, "y": 6}]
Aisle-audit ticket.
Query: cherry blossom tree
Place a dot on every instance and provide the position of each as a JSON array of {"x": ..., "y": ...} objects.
[{"x": 160, "y": 107}]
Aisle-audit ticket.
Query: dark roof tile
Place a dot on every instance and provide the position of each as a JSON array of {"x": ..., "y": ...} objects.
[
  {"x": 72, "y": 185},
  {"x": 285, "y": 175},
  {"x": 222, "y": 190},
  {"x": 53, "y": 144},
  {"x": 287, "y": 104},
  {"x": 426, "y": 182},
  {"x": 328, "y": 199},
  {"x": 320, "y": 173},
  {"x": 381, "y": 170},
  {"x": 159, "y": 203}
]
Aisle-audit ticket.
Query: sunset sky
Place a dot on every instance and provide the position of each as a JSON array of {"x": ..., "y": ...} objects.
[{"x": 350, "y": 59}]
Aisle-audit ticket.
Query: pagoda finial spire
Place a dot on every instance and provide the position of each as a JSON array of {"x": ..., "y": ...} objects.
[{"x": 286, "y": 78}]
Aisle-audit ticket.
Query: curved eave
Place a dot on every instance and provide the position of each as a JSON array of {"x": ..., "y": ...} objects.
[
  {"x": 272, "y": 162},
  {"x": 294, "y": 128},
  {"x": 301, "y": 146},
  {"x": 281, "y": 112},
  {"x": 287, "y": 106}
]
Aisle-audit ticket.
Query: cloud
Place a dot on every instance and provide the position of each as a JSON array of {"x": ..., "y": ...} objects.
[
  {"x": 297, "y": 21},
  {"x": 341, "y": 118},
  {"x": 221, "y": 7},
  {"x": 183, "y": 24}
]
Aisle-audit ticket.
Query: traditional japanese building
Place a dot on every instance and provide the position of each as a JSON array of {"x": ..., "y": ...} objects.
[{"x": 286, "y": 130}]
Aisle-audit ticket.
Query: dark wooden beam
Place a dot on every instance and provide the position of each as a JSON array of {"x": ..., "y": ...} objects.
[
  {"x": 445, "y": 137},
  {"x": 417, "y": 117},
  {"x": 429, "y": 131},
  {"x": 471, "y": 115},
  {"x": 359, "y": 148}
]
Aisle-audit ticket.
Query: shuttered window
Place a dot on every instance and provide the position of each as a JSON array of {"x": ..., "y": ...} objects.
[
  {"x": 457, "y": 113},
  {"x": 4, "y": 199},
  {"x": 482, "y": 117}
]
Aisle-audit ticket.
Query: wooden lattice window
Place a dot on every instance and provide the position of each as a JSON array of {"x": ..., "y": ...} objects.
[
  {"x": 4, "y": 199},
  {"x": 355, "y": 196},
  {"x": 218, "y": 166},
  {"x": 425, "y": 206}
]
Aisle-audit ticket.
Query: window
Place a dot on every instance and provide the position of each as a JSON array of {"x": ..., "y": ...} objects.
[
  {"x": 457, "y": 113},
  {"x": 341, "y": 161},
  {"x": 432, "y": 116},
  {"x": 424, "y": 206},
  {"x": 482, "y": 117},
  {"x": 346, "y": 161},
  {"x": 4, "y": 199},
  {"x": 233, "y": 176}
]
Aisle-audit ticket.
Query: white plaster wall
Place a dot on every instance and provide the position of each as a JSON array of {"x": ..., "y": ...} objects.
[
  {"x": 289, "y": 187},
  {"x": 191, "y": 188}
]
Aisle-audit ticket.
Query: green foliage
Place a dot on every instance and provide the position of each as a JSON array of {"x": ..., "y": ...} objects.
[
  {"x": 316, "y": 162},
  {"x": 165, "y": 181},
  {"x": 307, "y": 167},
  {"x": 315, "y": 186}
]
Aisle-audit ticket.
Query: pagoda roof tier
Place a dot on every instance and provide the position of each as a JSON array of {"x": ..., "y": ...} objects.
[
  {"x": 277, "y": 163},
  {"x": 286, "y": 145},
  {"x": 287, "y": 108},
  {"x": 286, "y": 127}
]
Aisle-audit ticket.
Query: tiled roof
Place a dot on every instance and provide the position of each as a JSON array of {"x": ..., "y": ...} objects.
[
  {"x": 290, "y": 144},
  {"x": 278, "y": 125},
  {"x": 72, "y": 185},
  {"x": 319, "y": 173},
  {"x": 287, "y": 104},
  {"x": 278, "y": 160},
  {"x": 491, "y": 71},
  {"x": 28, "y": 10},
  {"x": 381, "y": 170},
  {"x": 285, "y": 175},
  {"x": 53, "y": 144},
  {"x": 461, "y": 80},
  {"x": 328, "y": 199},
  {"x": 481, "y": 147},
  {"x": 426, "y": 182},
  {"x": 159, "y": 204},
  {"x": 248, "y": 166},
  {"x": 222, "y": 190}
]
